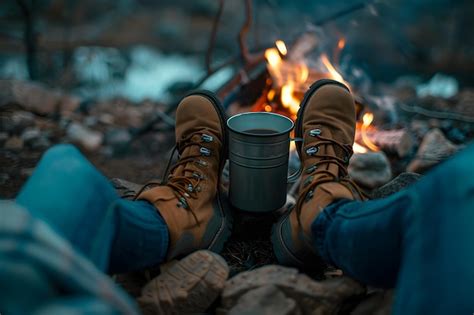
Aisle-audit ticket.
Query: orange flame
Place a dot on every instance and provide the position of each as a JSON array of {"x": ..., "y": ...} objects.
[
  {"x": 332, "y": 71},
  {"x": 289, "y": 79},
  {"x": 281, "y": 46},
  {"x": 366, "y": 121}
]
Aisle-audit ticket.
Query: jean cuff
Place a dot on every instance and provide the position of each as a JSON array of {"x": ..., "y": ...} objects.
[{"x": 320, "y": 226}]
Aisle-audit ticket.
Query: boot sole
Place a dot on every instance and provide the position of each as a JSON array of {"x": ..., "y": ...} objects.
[
  {"x": 223, "y": 234},
  {"x": 282, "y": 253},
  {"x": 189, "y": 286}
]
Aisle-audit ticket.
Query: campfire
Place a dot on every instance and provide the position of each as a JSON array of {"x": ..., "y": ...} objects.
[{"x": 290, "y": 75}]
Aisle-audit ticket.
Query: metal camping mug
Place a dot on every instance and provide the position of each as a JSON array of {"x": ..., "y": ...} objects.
[{"x": 259, "y": 147}]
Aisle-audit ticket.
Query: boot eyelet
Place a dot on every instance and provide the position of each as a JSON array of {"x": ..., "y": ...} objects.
[
  {"x": 315, "y": 132},
  {"x": 190, "y": 188},
  {"x": 309, "y": 195},
  {"x": 205, "y": 151},
  {"x": 311, "y": 169},
  {"x": 308, "y": 181},
  {"x": 346, "y": 159},
  {"x": 198, "y": 188},
  {"x": 198, "y": 176},
  {"x": 207, "y": 138},
  {"x": 312, "y": 150},
  {"x": 182, "y": 203}
]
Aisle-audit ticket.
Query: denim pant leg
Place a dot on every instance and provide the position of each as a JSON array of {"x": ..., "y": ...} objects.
[
  {"x": 70, "y": 194},
  {"x": 420, "y": 240}
]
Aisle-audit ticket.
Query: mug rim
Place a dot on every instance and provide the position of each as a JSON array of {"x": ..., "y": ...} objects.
[{"x": 260, "y": 135}]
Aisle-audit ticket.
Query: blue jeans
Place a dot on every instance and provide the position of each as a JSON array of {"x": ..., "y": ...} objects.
[
  {"x": 420, "y": 240},
  {"x": 80, "y": 204}
]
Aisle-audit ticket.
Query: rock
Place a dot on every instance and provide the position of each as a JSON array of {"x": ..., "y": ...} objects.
[
  {"x": 30, "y": 135},
  {"x": 125, "y": 189},
  {"x": 433, "y": 149},
  {"x": 378, "y": 303},
  {"x": 4, "y": 177},
  {"x": 35, "y": 97},
  {"x": 395, "y": 185},
  {"x": 3, "y": 138},
  {"x": 189, "y": 286},
  {"x": 14, "y": 143},
  {"x": 440, "y": 85},
  {"x": 266, "y": 300},
  {"x": 17, "y": 121},
  {"x": 41, "y": 143},
  {"x": 89, "y": 139},
  {"x": 27, "y": 172},
  {"x": 117, "y": 138},
  {"x": 311, "y": 297},
  {"x": 371, "y": 169}
]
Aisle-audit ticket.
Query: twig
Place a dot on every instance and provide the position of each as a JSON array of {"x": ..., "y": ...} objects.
[
  {"x": 212, "y": 40},
  {"x": 436, "y": 114},
  {"x": 244, "y": 51}
]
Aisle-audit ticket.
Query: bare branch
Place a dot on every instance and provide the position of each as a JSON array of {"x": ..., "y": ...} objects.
[
  {"x": 212, "y": 40},
  {"x": 244, "y": 51}
]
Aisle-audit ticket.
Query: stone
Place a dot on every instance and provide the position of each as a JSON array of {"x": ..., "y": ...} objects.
[
  {"x": 377, "y": 303},
  {"x": 3, "y": 138},
  {"x": 117, "y": 138},
  {"x": 4, "y": 178},
  {"x": 17, "y": 121},
  {"x": 27, "y": 172},
  {"x": 35, "y": 97},
  {"x": 41, "y": 143},
  {"x": 124, "y": 188},
  {"x": 30, "y": 135},
  {"x": 266, "y": 300},
  {"x": 14, "y": 143},
  {"x": 311, "y": 297},
  {"x": 395, "y": 185},
  {"x": 87, "y": 138},
  {"x": 370, "y": 169},
  {"x": 434, "y": 148},
  {"x": 189, "y": 286}
]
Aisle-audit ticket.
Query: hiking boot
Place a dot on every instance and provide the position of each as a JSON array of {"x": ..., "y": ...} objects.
[
  {"x": 326, "y": 122},
  {"x": 189, "y": 197},
  {"x": 189, "y": 286}
]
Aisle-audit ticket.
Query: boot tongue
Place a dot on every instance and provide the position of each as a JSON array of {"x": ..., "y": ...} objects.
[{"x": 193, "y": 150}]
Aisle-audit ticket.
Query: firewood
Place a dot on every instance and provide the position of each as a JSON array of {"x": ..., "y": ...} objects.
[{"x": 398, "y": 141}]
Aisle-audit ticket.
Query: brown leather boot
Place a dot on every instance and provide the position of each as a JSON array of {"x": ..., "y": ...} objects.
[
  {"x": 189, "y": 199},
  {"x": 326, "y": 122}
]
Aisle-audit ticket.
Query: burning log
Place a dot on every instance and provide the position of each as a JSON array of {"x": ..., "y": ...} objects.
[{"x": 398, "y": 141}]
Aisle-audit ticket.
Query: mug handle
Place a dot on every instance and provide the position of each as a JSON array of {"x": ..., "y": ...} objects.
[{"x": 294, "y": 177}]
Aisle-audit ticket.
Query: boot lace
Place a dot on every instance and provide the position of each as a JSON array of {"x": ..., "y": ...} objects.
[
  {"x": 325, "y": 176},
  {"x": 185, "y": 184}
]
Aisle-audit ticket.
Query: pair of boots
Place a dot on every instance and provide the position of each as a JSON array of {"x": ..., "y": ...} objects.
[{"x": 190, "y": 201}]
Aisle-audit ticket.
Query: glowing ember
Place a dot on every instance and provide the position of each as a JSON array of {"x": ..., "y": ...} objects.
[
  {"x": 366, "y": 121},
  {"x": 273, "y": 57},
  {"x": 288, "y": 100},
  {"x": 357, "y": 148},
  {"x": 341, "y": 44},
  {"x": 281, "y": 47}
]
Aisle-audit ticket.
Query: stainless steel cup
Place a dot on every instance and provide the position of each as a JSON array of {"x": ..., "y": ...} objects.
[{"x": 259, "y": 145}]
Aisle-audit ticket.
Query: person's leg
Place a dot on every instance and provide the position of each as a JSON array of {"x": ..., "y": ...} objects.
[
  {"x": 70, "y": 194},
  {"x": 420, "y": 239}
]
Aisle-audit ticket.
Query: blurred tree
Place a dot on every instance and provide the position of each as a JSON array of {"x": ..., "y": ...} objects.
[{"x": 28, "y": 10}]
